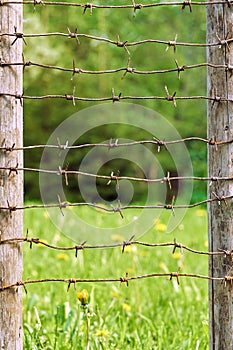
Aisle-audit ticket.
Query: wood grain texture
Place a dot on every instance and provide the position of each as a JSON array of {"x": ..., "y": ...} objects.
[
  {"x": 220, "y": 160},
  {"x": 11, "y": 185}
]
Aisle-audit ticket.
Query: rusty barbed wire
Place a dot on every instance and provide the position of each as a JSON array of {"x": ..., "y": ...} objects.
[
  {"x": 122, "y": 44},
  {"x": 117, "y": 98},
  {"x": 116, "y": 144},
  {"x": 119, "y": 208},
  {"x": 112, "y": 177},
  {"x": 125, "y": 70},
  {"x": 220, "y": 199},
  {"x": 123, "y": 244},
  {"x": 227, "y": 280},
  {"x": 132, "y": 5}
]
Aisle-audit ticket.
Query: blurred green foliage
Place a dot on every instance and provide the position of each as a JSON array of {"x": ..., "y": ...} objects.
[{"x": 42, "y": 117}]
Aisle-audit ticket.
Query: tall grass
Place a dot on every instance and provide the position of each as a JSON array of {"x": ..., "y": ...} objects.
[{"x": 153, "y": 313}]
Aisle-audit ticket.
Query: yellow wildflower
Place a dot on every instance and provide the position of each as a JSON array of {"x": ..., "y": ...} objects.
[
  {"x": 200, "y": 212},
  {"x": 177, "y": 256},
  {"x": 163, "y": 267},
  {"x": 115, "y": 294},
  {"x": 82, "y": 327},
  {"x": 130, "y": 270},
  {"x": 83, "y": 297},
  {"x": 62, "y": 256},
  {"x": 161, "y": 227},
  {"x": 46, "y": 215},
  {"x": 102, "y": 333},
  {"x": 126, "y": 307},
  {"x": 130, "y": 248}
]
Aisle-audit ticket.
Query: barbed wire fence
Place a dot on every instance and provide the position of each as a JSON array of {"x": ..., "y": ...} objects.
[{"x": 219, "y": 142}]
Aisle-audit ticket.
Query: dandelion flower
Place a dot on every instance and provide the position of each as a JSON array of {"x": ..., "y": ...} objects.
[
  {"x": 200, "y": 212},
  {"x": 83, "y": 297},
  {"x": 102, "y": 333},
  {"x": 161, "y": 227},
  {"x": 177, "y": 256},
  {"x": 130, "y": 248},
  {"x": 126, "y": 307},
  {"x": 163, "y": 267},
  {"x": 46, "y": 215},
  {"x": 130, "y": 270},
  {"x": 62, "y": 256},
  {"x": 115, "y": 294}
]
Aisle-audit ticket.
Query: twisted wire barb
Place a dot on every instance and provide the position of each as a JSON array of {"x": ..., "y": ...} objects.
[
  {"x": 125, "y": 70},
  {"x": 116, "y": 144},
  {"x": 122, "y": 44},
  {"x": 228, "y": 280},
  {"x": 112, "y": 177},
  {"x": 118, "y": 208},
  {"x": 82, "y": 246},
  {"x": 117, "y": 98},
  {"x": 134, "y": 6}
]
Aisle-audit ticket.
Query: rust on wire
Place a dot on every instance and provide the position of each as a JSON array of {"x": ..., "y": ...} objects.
[
  {"x": 170, "y": 97},
  {"x": 74, "y": 70},
  {"x": 18, "y": 36},
  {"x": 87, "y": 6},
  {"x": 125, "y": 279},
  {"x": 127, "y": 243},
  {"x": 117, "y": 98},
  {"x": 187, "y": 4},
  {"x": 133, "y": 6},
  {"x": 227, "y": 253},
  {"x": 176, "y": 275},
  {"x": 117, "y": 178},
  {"x": 131, "y": 241},
  {"x": 122, "y": 44},
  {"x": 113, "y": 144},
  {"x": 119, "y": 208}
]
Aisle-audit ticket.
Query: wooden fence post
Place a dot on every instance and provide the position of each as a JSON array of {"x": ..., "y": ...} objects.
[
  {"x": 220, "y": 160},
  {"x": 11, "y": 182}
]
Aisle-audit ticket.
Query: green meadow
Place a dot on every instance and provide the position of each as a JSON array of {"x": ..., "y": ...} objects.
[{"x": 150, "y": 313}]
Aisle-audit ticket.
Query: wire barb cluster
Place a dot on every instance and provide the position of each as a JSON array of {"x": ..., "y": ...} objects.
[
  {"x": 132, "y": 5},
  {"x": 130, "y": 242},
  {"x": 119, "y": 208},
  {"x": 13, "y": 170},
  {"x": 113, "y": 144},
  {"x": 117, "y": 98},
  {"x": 227, "y": 280},
  {"x": 220, "y": 42},
  {"x": 112, "y": 177}
]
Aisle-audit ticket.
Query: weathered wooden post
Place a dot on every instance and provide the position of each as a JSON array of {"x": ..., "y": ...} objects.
[
  {"x": 220, "y": 159},
  {"x": 11, "y": 183}
]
